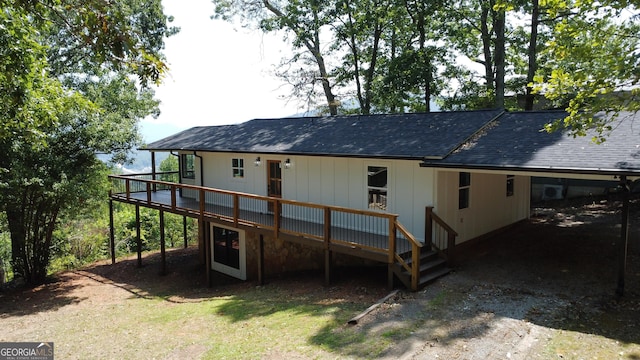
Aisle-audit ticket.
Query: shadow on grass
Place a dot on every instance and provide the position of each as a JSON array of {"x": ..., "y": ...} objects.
[
  {"x": 53, "y": 295},
  {"x": 556, "y": 271}
]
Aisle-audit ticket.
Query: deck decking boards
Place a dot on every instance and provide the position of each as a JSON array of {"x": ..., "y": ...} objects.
[{"x": 354, "y": 242}]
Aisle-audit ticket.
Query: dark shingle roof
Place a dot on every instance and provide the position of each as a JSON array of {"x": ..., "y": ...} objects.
[
  {"x": 516, "y": 141},
  {"x": 432, "y": 135},
  {"x": 487, "y": 139}
]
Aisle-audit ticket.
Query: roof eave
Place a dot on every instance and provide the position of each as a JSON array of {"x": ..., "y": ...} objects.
[
  {"x": 534, "y": 169},
  {"x": 293, "y": 153}
]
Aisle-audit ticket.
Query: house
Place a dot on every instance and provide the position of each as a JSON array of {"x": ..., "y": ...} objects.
[{"x": 405, "y": 190}]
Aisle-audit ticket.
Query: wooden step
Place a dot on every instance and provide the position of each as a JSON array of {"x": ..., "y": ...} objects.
[
  {"x": 432, "y": 267},
  {"x": 424, "y": 257},
  {"x": 433, "y": 275}
]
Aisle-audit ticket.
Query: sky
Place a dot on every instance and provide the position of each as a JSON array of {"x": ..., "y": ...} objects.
[{"x": 219, "y": 73}]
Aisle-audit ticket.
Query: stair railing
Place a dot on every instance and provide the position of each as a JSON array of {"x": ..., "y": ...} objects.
[
  {"x": 414, "y": 267},
  {"x": 440, "y": 236}
]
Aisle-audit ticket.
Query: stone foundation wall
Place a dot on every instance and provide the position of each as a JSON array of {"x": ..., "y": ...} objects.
[{"x": 281, "y": 257}]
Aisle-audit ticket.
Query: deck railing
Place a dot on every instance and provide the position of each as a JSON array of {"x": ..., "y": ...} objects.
[
  {"x": 440, "y": 235},
  {"x": 373, "y": 231}
]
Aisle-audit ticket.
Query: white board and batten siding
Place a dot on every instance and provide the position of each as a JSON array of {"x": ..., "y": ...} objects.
[
  {"x": 489, "y": 206},
  {"x": 338, "y": 181}
]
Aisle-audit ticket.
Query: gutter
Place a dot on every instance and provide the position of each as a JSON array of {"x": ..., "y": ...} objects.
[
  {"x": 565, "y": 170},
  {"x": 292, "y": 153}
]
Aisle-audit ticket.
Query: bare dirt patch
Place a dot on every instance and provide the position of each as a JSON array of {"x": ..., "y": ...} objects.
[{"x": 542, "y": 290}]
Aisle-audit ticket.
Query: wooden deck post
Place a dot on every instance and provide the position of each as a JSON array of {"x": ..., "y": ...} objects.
[
  {"x": 153, "y": 170},
  {"x": 392, "y": 252},
  {"x": 163, "y": 255},
  {"x": 236, "y": 209},
  {"x": 201, "y": 240},
  {"x": 624, "y": 236},
  {"x": 138, "y": 237},
  {"x": 415, "y": 267},
  {"x": 261, "y": 260},
  {"x": 112, "y": 238},
  {"x": 327, "y": 248},
  {"x": 204, "y": 239},
  {"x": 184, "y": 232},
  {"x": 207, "y": 248},
  {"x": 276, "y": 218},
  {"x": 428, "y": 227},
  {"x": 173, "y": 197}
]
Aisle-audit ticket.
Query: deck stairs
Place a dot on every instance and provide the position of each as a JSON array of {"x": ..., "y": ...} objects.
[{"x": 432, "y": 267}]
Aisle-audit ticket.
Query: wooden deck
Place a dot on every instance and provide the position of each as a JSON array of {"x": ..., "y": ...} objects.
[
  {"x": 361, "y": 243},
  {"x": 367, "y": 234}
]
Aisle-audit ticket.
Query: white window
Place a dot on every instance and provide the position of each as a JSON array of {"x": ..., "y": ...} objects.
[
  {"x": 188, "y": 166},
  {"x": 237, "y": 168},
  {"x": 377, "y": 180}
]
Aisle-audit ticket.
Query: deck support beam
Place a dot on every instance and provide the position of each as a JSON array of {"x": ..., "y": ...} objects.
[
  {"x": 328, "y": 255},
  {"x": 112, "y": 237},
  {"x": 163, "y": 255},
  {"x": 327, "y": 248},
  {"x": 138, "y": 237},
  {"x": 153, "y": 170},
  {"x": 392, "y": 252},
  {"x": 624, "y": 236},
  {"x": 207, "y": 248},
  {"x": 261, "y": 260},
  {"x": 184, "y": 232}
]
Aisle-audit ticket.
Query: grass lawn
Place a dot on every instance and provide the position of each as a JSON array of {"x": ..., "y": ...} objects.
[{"x": 128, "y": 313}]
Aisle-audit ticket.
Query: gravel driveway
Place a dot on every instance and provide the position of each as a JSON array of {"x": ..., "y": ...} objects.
[{"x": 545, "y": 289}]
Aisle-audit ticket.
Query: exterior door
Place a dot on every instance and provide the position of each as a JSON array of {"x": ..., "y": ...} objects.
[
  {"x": 226, "y": 247},
  {"x": 274, "y": 180}
]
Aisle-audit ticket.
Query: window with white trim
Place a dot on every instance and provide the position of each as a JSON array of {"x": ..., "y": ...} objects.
[
  {"x": 237, "y": 168},
  {"x": 377, "y": 187},
  {"x": 187, "y": 166}
]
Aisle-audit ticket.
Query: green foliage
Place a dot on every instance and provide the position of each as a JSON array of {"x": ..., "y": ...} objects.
[
  {"x": 6, "y": 273},
  {"x": 125, "y": 229},
  {"x": 67, "y": 94},
  {"x": 594, "y": 56},
  {"x": 22, "y": 66}
]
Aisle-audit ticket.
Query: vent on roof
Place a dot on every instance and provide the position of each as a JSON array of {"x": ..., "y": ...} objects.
[{"x": 552, "y": 192}]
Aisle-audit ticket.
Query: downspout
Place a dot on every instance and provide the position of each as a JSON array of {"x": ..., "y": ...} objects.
[
  {"x": 179, "y": 167},
  {"x": 179, "y": 170},
  {"x": 201, "y": 168}
]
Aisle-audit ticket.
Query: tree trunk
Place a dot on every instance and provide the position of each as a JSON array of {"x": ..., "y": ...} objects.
[
  {"x": 19, "y": 264},
  {"x": 486, "y": 47},
  {"x": 31, "y": 225},
  {"x": 313, "y": 46},
  {"x": 499, "y": 28},
  {"x": 533, "y": 62}
]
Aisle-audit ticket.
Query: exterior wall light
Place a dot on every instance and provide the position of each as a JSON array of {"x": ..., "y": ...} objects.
[
  {"x": 257, "y": 161},
  {"x": 287, "y": 164}
]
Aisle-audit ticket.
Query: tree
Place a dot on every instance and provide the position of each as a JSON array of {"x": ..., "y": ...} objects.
[
  {"x": 360, "y": 28},
  {"x": 594, "y": 56},
  {"x": 170, "y": 164},
  {"x": 477, "y": 33},
  {"x": 304, "y": 21},
  {"x": 68, "y": 94}
]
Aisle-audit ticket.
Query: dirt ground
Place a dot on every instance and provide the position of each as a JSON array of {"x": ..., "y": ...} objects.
[{"x": 544, "y": 289}]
